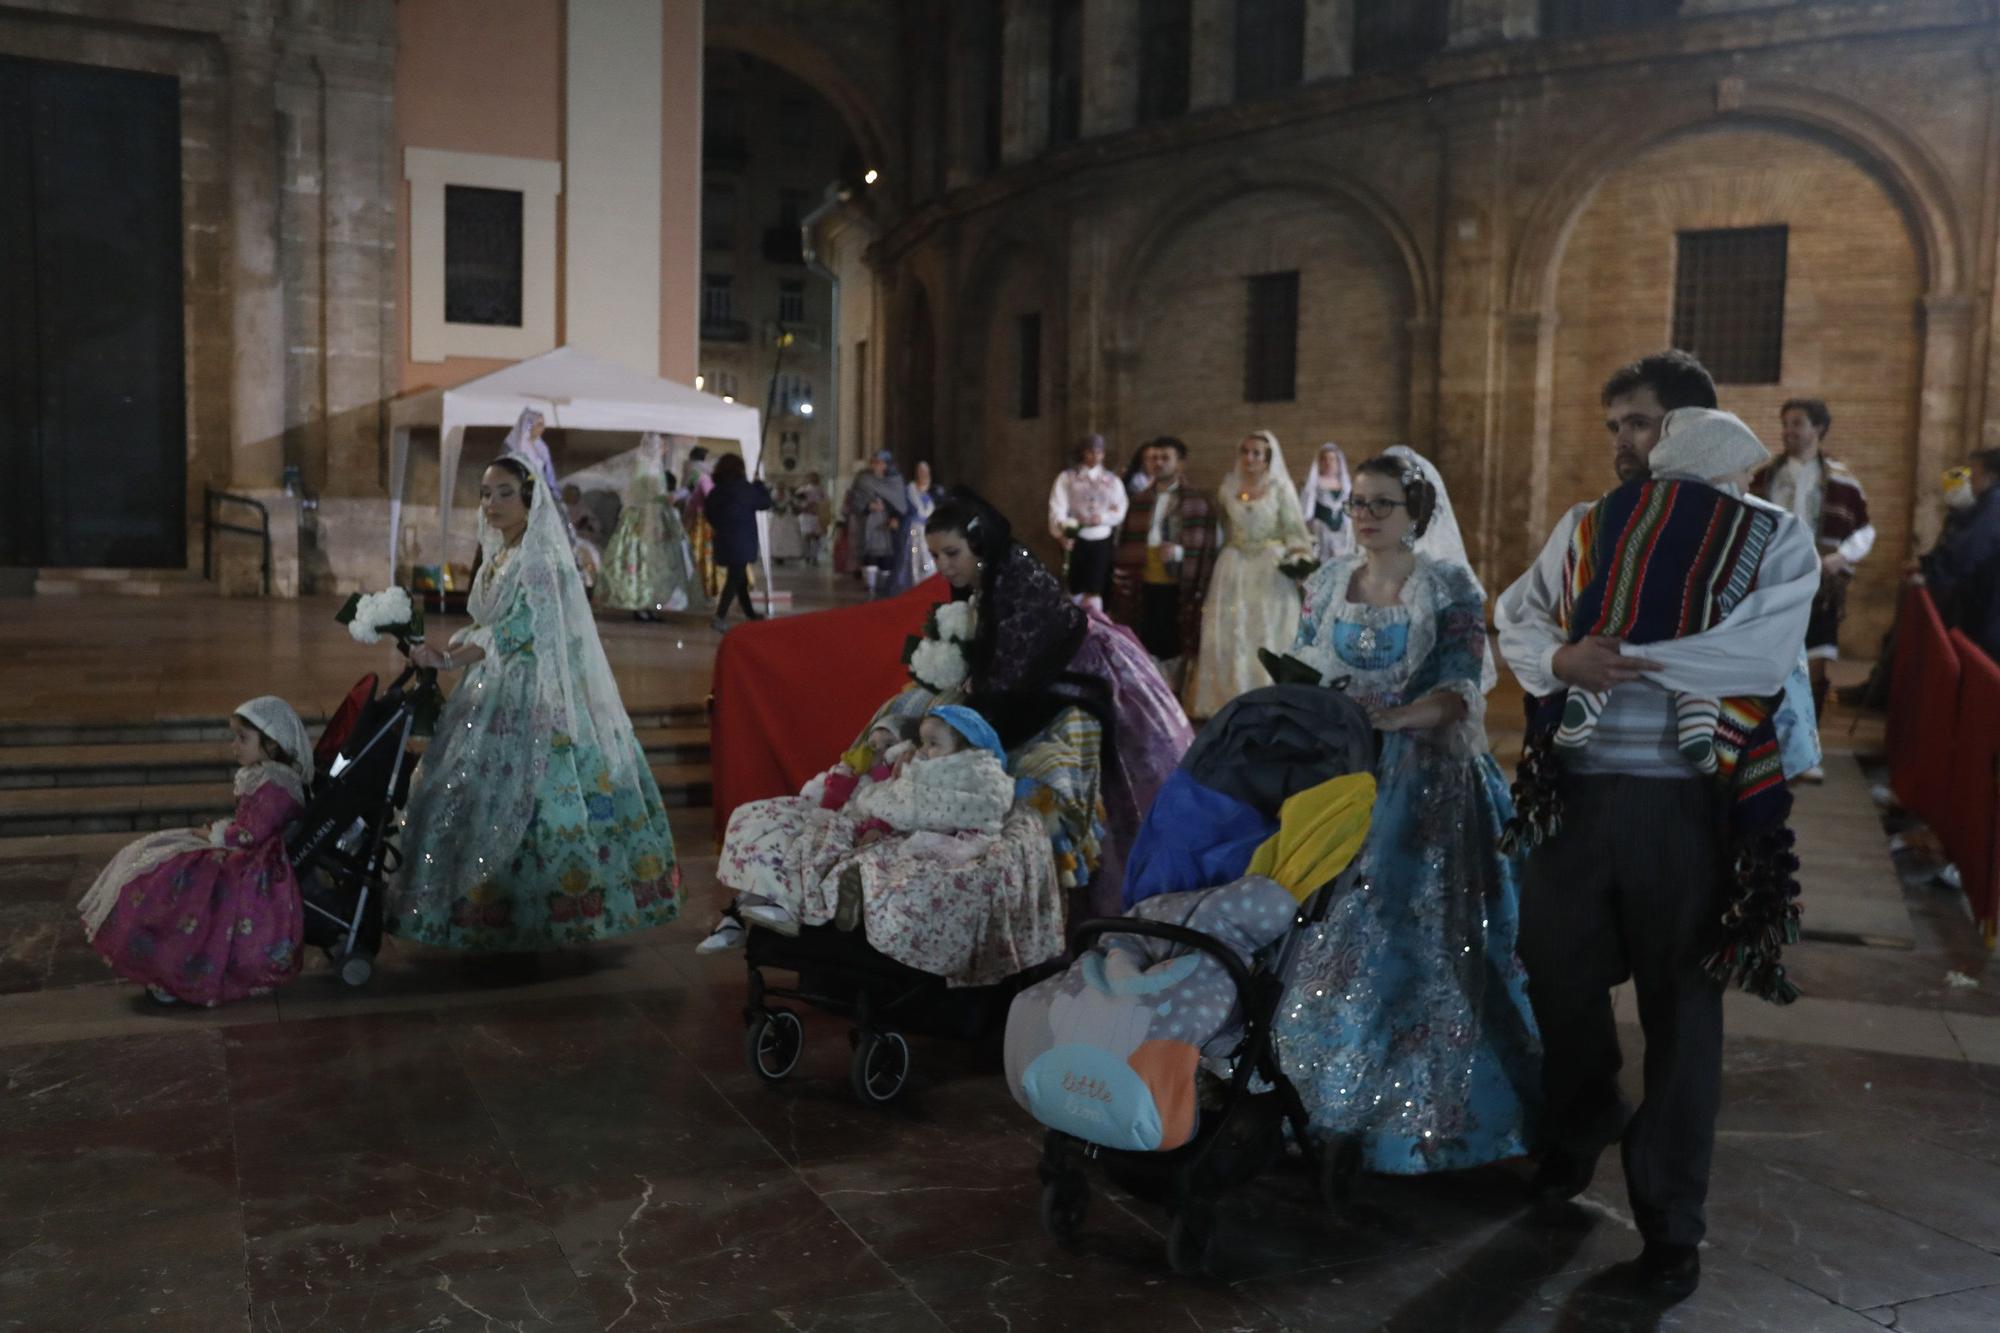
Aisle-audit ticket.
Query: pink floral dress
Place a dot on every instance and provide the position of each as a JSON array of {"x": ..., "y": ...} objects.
[{"x": 213, "y": 918}]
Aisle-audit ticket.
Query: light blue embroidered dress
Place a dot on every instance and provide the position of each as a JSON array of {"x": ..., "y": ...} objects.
[
  {"x": 534, "y": 822},
  {"x": 1407, "y": 1024}
]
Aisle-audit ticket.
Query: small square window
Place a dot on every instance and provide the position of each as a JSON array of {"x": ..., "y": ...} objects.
[
  {"x": 1729, "y": 302},
  {"x": 1271, "y": 349},
  {"x": 482, "y": 256}
]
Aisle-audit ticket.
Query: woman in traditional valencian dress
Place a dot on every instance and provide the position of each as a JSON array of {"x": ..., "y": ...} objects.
[
  {"x": 534, "y": 821},
  {"x": 1251, "y": 602},
  {"x": 1034, "y": 652},
  {"x": 648, "y": 566},
  {"x": 1407, "y": 1025},
  {"x": 212, "y": 914},
  {"x": 1324, "y": 503},
  {"x": 917, "y": 564}
]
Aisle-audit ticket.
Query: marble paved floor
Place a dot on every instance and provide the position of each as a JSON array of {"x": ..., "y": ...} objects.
[{"x": 584, "y": 1149}]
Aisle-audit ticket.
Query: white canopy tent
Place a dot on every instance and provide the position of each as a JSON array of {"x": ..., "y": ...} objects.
[{"x": 570, "y": 389}]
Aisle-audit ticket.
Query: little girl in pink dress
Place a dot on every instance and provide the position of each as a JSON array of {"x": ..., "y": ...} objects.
[{"x": 213, "y": 914}]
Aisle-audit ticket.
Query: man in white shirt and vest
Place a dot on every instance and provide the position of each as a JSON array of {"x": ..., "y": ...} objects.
[
  {"x": 1086, "y": 505},
  {"x": 1633, "y": 883}
]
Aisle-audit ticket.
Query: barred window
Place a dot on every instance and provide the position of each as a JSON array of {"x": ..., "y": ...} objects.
[
  {"x": 1389, "y": 33},
  {"x": 1271, "y": 349},
  {"x": 1270, "y": 46},
  {"x": 1028, "y": 346},
  {"x": 1166, "y": 40},
  {"x": 482, "y": 256},
  {"x": 1729, "y": 302}
]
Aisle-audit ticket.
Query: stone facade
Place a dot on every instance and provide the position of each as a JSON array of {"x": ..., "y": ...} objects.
[
  {"x": 288, "y": 221},
  {"x": 1481, "y": 236}
]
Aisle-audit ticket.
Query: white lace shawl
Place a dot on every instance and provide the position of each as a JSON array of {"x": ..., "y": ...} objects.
[{"x": 969, "y": 791}]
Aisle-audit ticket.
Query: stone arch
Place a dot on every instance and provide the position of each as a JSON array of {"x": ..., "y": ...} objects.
[
  {"x": 809, "y": 63},
  {"x": 1366, "y": 281},
  {"x": 1920, "y": 406},
  {"x": 1914, "y": 178},
  {"x": 1214, "y": 191}
]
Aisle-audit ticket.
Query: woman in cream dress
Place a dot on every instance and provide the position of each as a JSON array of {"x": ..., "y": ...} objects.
[{"x": 1251, "y": 603}]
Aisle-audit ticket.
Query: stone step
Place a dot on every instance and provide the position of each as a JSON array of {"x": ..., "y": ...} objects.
[
  {"x": 141, "y": 808},
  {"x": 175, "y": 762},
  {"x": 121, "y": 583},
  {"x": 214, "y": 729}
]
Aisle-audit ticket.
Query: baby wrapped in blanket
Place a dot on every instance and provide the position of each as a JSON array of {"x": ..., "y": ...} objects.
[
  {"x": 956, "y": 782},
  {"x": 1717, "y": 449}
]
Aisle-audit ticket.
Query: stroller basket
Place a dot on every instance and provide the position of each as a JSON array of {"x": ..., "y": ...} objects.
[{"x": 340, "y": 849}]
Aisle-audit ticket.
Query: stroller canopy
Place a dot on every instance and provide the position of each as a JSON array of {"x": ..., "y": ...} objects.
[{"x": 1222, "y": 804}]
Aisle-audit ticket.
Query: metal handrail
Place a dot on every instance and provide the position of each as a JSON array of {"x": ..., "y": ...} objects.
[{"x": 210, "y": 525}]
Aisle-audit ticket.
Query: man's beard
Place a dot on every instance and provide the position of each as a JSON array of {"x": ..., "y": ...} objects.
[{"x": 1629, "y": 468}]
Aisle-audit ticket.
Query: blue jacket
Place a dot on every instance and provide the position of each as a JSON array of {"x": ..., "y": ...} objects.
[
  {"x": 732, "y": 509},
  {"x": 1963, "y": 572}
]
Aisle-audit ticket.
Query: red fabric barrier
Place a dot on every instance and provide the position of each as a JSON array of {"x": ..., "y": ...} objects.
[
  {"x": 1968, "y": 830},
  {"x": 1923, "y": 710},
  {"x": 791, "y": 694}
]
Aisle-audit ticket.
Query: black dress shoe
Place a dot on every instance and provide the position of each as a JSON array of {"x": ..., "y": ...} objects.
[{"x": 1661, "y": 1272}]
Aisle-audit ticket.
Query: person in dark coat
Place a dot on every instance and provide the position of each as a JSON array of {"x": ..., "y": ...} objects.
[
  {"x": 1963, "y": 570},
  {"x": 732, "y": 509}
]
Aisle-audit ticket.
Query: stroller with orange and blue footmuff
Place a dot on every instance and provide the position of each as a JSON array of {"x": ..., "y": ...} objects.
[{"x": 1152, "y": 1055}]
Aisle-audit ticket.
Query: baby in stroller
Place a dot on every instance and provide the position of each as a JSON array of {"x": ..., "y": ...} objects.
[
  {"x": 952, "y": 794},
  {"x": 875, "y": 760}
]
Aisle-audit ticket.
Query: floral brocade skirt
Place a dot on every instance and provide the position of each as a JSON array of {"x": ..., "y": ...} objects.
[{"x": 595, "y": 861}]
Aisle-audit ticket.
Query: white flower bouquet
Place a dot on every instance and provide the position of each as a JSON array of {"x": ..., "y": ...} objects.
[
  {"x": 937, "y": 657},
  {"x": 370, "y": 615}
]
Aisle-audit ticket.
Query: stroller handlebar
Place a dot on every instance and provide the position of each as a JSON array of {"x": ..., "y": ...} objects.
[{"x": 1088, "y": 932}]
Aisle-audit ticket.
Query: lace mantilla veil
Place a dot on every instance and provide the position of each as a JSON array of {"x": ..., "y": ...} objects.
[
  {"x": 1443, "y": 542},
  {"x": 510, "y": 716}
]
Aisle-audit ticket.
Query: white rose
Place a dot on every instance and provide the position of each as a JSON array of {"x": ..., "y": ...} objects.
[
  {"x": 396, "y": 606},
  {"x": 938, "y": 666},
  {"x": 362, "y": 631},
  {"x": 955, "y": 620}
]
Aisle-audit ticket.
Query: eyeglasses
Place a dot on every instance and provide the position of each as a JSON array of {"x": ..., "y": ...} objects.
[{"x": 1378, "y": 508}]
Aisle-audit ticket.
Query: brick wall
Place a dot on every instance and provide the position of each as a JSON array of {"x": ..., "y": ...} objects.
[{"x": 1191, "y": 316}]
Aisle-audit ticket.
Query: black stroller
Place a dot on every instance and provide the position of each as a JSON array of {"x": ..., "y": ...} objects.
[
  {"x": 1262, "y": 748},
  {"x": 340, "y": 849},
  {"x": 840, "y": 973}
]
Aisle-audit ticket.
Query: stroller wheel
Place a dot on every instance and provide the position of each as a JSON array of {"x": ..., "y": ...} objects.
[
  {"x": 354, "y": 969},
  {"x": 1339, "y": 1164},
  {"x": 1065, "y": 1203},
  {"x": 773, "y": 1044},
  {"x": 880, "y": 1068},
  {"x": 1188, "y": 1240}
]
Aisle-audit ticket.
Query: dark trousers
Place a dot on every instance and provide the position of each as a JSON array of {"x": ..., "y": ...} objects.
[
  {"x": 1090, "y": 565},
  {"x": 1630, "y": 888},
  {"x": 1160, "y": 619},
  {"x": 735, "y": 584}
]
